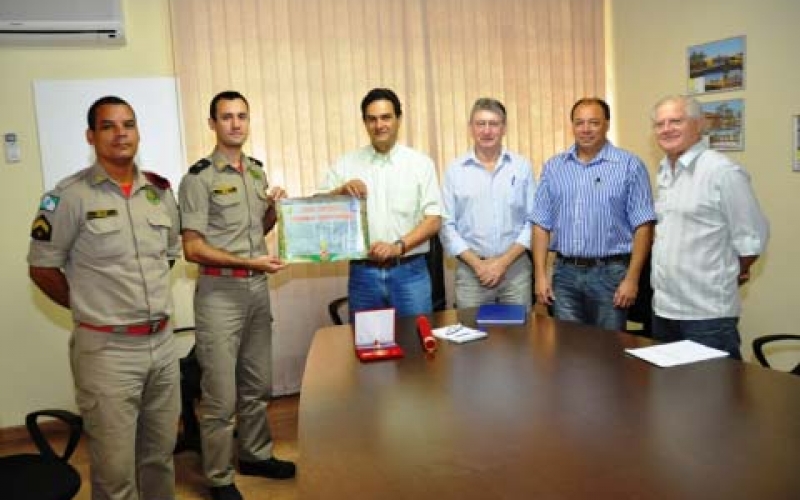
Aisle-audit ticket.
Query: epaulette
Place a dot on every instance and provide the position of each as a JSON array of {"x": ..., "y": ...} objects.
[
  {"x": 156, "y": 180},
  {"x": 257, "y": 162},
  {"x": 200, "y": 166},
  {"x": 72, "y": 179}
]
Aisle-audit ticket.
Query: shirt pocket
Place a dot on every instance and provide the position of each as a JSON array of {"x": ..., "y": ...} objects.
[
  {"x": 262, "y": 200},
  {"x": 226, "y": 207},
  {"x": 104, "y": 238},
  {"x": 663, "y": 203},
  {"x": 404, "y": 207},
  {"x": 156, "y": 240},
  {"x": 519, "y": 201}
]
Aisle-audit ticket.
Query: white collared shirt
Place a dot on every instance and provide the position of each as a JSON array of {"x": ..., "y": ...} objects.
[
  {"x": 708, "y": 217},
  {"x": 401, "y": 189}
]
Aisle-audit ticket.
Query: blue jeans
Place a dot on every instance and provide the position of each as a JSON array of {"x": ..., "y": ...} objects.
[
  {"x": 719, "y": 333},
  {"x": 406, "y": 287},
  {"x": 586, "y": 294}
]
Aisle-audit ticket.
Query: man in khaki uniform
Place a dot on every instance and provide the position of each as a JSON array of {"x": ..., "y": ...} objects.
[
  {"x": 226, "y": 211},
  {"x": 102, "y": 245}
]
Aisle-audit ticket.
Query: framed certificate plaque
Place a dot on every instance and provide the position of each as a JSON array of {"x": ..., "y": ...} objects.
[{"x": 322, "y": 229}]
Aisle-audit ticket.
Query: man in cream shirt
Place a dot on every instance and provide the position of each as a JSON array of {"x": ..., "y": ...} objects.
[{"x": 401, "y": 192}]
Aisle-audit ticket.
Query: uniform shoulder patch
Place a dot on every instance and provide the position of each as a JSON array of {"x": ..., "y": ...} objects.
[
  {"x": 41, "y": 230},
  {"x": 49, "y": 202},
  {"x": 156, "y": 180},
  {"x": 200, "y": 166},
  {"x": 257, "y": 162}
]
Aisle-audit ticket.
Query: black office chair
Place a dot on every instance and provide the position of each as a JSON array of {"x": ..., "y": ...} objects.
[
  {"x": 642, "y": 310},
  {"x": 46, "y": 475},
  {"x": 435, "y": 260},
  {"x": 189, "y": 434},
  {"x": 760, "y": 342}
]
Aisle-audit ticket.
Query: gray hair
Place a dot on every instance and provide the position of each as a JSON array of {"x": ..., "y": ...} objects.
[
  {"x": 690, "y": 105},
  {"x": 488, "y": 104}
]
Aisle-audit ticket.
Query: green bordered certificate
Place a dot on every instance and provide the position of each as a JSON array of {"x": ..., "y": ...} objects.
[{"x": 322, "y": 229}]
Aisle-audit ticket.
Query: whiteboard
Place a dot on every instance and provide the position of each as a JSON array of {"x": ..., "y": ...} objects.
[{"x": 61, "y": 107}]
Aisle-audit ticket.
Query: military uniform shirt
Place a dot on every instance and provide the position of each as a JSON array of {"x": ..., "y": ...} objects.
[
  {"x": 225, "y": 206},
  {"x": 113, "y": 250}
]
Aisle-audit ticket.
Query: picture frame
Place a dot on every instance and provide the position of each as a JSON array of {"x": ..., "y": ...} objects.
[
  {"x": 796, "y": 143},
  {"x": 717, "y": 66},
  {"x": 724, "y": 124},
  {"x": 322, "y": 229}
]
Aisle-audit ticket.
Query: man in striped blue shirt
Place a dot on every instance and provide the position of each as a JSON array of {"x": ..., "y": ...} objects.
[{"x": 594, "y": 209}]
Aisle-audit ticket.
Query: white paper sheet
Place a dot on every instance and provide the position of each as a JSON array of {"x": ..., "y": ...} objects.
[
  {"x": 676, "y": 353},
  {"x": 458, "y": 333}
]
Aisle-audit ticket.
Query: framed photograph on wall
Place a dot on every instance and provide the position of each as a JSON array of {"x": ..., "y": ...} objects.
[
  {"x": 724, "y": 124},
  {"x": 796, "y": 143},
  {"x": 716, "y": 66}
]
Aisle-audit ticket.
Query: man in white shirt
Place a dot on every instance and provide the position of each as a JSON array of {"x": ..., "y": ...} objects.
[
  {"x": 487, "y": 196},
  {"x": 403, "y": 211},
  {"x": 710, "y": 231}
]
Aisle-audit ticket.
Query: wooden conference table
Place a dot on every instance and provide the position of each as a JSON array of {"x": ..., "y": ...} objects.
[{"x": 549, "y": 410}]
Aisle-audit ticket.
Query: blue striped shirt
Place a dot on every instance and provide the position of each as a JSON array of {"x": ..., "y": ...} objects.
[{"x": 592, "y": 209}]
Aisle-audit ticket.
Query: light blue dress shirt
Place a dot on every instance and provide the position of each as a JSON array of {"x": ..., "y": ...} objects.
[{"x": 485, "y": 211}]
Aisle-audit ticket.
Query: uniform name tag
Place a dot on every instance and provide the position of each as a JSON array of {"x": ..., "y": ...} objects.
[
  {"x": 101, "y": 214},
  {"x": 225, "y": 190}
]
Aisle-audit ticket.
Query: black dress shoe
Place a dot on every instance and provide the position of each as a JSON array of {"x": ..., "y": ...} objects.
[
  {"x": 227, "y": 492},
  {"x": 272, "y": 468}
]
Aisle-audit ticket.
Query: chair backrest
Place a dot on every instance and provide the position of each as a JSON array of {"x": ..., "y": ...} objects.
[
  {"x": 435, "y": 259},
  {"x": 642, "y": 309},
  {"x": 786, "y": 339},
  {"x": 46, "y": 475}
]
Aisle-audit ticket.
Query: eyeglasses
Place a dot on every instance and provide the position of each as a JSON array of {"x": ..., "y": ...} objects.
[
  {"x": 669, "y": 123},
  {"x": 493, "y": 124}
]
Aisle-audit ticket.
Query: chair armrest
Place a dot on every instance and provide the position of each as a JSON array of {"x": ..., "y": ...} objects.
[
  {"x": 758, "y": 345},
  {"x": 73, "y": 421},
  {"x": 333, "y": 310}
]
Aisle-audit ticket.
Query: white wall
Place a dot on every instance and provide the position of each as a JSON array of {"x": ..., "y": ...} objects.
[
  {"x": 650, "y": 39},
  {"x": 34, "y": 371}
]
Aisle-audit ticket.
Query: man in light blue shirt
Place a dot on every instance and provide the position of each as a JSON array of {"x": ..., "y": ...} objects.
[
  {"x": 487, "y": 196},
  {"x": 594, "y": 208}
]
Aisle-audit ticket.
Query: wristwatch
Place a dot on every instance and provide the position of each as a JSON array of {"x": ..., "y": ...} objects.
[{"x": 402, "y": 246}]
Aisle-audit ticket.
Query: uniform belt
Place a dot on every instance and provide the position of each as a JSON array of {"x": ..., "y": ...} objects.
[
  {"x": 234, "y": 272},
  {"x": 388, "y": 263},
  {"x": 592, "y": 261},
  {"x": 149, "y": 328}
]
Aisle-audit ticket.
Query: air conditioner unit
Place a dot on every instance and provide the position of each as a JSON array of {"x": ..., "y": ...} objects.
[{"x": 61, "y": 22}]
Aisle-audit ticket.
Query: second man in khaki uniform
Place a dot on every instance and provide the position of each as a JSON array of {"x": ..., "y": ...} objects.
[{"x": 226, "y": 211}]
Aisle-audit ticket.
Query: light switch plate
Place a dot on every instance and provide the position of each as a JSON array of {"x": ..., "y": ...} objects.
[{"x": 11, "y": 148}]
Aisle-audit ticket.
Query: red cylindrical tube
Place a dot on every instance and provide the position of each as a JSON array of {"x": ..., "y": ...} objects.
[{"x": 425, "y": 334}]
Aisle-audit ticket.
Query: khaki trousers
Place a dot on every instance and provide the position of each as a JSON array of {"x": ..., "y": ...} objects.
[
  {"x": 233, "y": 335},
  {"x": 515, "y": 288},
  {"x": 128, "y": 392}
]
